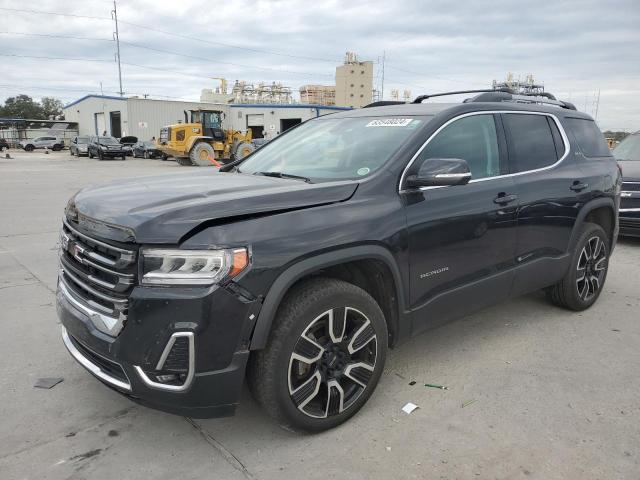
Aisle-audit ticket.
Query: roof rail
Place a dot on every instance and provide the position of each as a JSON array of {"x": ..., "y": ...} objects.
[
  {"x": 504, "y": 95},
  {"x": 420, "y": 98},
  {"x": 384, "y": 103}
]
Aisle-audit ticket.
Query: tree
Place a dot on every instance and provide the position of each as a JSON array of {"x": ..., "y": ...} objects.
[
  {"x": 22, "y": 106},
  {"x": 51, "y": 107}
]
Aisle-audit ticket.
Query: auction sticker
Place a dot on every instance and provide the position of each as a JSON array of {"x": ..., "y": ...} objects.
[{"x": 390, "y": 122}]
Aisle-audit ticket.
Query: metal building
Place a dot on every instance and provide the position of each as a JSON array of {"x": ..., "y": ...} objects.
[{"x": 143, "y": 118}]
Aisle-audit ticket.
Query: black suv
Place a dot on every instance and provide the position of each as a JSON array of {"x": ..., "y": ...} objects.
[
  {"x": 106, "y": 147},
  {"x": 300, "y": 265}
]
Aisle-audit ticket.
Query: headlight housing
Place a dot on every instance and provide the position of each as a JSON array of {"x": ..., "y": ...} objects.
[{"x": 191, "y": 267}]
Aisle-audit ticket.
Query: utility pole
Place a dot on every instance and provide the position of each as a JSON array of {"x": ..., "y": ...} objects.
[
  {"x": 116, "y": 35},
  {"x": 382, "y": 87},
  {"x": 597, "y": 105}
]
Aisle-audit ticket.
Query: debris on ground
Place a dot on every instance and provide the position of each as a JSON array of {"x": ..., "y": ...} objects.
[
  {"x": 467, "y": 403},
  {"x": 409, "y": 407},
  {"x": 412, "y": 382},
  {"x": 48, "y": 382},
  {"x": 441, "y": 387}
]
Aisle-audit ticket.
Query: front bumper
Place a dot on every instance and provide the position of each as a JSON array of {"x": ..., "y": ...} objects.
[
  {"x": 629, "y": 221},
  {"x": 216, "y": 324}
]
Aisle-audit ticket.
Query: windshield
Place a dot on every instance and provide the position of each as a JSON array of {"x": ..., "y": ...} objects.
[
  {"x": 629, "y": 148},
  {"x": 334, "y": 148},
  {"x": 83, "y": 140},
  {"x": 108, "y": 141}
]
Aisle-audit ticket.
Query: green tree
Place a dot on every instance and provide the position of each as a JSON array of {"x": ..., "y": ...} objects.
[
  {"x": 22, "y": 106},
  {"x": 51, "y": 107}
]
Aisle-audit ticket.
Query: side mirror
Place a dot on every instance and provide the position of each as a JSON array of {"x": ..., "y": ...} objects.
[{"x": 436, "y": 172}]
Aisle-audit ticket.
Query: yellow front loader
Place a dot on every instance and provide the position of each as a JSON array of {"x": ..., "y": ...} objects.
[{"x": 203, "y": 141}]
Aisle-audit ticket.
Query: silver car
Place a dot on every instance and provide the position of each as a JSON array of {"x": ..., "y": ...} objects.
[
  {"x": 53, "y": 143},
  {"x": 79, "y": 146}
]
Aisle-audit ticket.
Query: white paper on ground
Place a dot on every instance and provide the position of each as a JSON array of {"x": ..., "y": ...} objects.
[{"x": 409, "y": 407}]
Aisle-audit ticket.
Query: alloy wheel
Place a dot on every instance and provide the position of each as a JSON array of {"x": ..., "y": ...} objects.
[
  {"x": 332, "y": 362},
  {"x": 591, "y": 268}
]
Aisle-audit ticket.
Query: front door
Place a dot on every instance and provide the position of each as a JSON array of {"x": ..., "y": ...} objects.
[{"x": 462, "y": 238}]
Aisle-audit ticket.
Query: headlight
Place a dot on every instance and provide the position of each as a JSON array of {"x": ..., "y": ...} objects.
[{"x": 191, "y": 267}]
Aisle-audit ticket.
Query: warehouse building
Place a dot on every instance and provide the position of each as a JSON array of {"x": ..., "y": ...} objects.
[{"x": 143, "y": 117}]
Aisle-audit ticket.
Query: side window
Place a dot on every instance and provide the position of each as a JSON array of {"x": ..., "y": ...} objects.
[
  {"x": 473, "y": 139},
  {"x": 531, "y": 144},
  {"x": 589, "y": 137}
]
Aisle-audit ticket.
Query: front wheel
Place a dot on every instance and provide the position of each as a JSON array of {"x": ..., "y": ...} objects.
[
  {"x": 201, "y": 154},
  {"x": 325, "y": 355},
  {"x": 583, "y": 282}
]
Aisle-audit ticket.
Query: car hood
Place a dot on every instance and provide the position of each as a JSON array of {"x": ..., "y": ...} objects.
[
  {"x": 630, "y": 170},
  {"x": 164, "y": 209}
]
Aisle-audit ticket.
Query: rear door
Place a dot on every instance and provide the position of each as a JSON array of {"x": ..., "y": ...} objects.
[
  {"x": 549, "y": 183},
  {"x": 461, "y": 238}
]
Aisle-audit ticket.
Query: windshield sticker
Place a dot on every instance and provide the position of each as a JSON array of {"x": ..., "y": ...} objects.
[
  {"x": 363, "y": 171},
  {"x": 390, "y": 122}
]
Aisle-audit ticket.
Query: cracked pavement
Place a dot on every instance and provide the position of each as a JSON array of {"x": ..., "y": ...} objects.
[{"x": 555, "y": 394}]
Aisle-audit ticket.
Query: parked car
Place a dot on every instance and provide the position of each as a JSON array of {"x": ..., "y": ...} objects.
[
  {"x": 3, "y": 144},
  {"x": 53, "y": 143},
  {"x": 105, "y": 147},
  {"x": 300, "y": 265},
  {"x": 146, "y": 149},
  {"x": 128, "y": 143},
  {"x": 628, "y": 155},
  {"x": 79, "y": 146}
]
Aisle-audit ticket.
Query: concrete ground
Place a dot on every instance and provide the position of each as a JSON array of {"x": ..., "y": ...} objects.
[{"x": 534, "y": 391}]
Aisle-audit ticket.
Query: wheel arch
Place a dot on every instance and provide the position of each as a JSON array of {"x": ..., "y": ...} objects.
[
  {"x": 600, "y": 211},
  {"x": 370, "y": 267}
]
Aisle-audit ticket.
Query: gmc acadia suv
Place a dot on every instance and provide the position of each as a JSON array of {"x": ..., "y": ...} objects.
[{"x": 300, "y": 265}]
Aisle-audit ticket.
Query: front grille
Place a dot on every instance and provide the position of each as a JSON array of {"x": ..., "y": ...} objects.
[
  {"x": 178, "y": 358},
  {"x": 109, "y": 367},
  {"x": 631, "y": 186},
  {"x": 630, "y": 202},
  {"x": 165, "y": 134},
  {"x": 97, "y": 274}
]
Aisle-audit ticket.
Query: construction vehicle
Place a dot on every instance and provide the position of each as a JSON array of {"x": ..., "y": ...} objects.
[{"x": 202, "y": 141}]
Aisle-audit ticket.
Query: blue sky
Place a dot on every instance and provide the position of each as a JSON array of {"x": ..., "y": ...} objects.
[{"x": 574, "y": 47}]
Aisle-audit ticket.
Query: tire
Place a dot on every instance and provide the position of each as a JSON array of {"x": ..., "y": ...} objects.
[
  {"x": 165, "y": 157},
  {"x": 146, "y": 155},
  {"x": 100, "y": 155},
  {"x": 29, "y": 148},
  {"x": 56, "y": 147},
  {"x": 277, "y": 377},
  {"x": 90, "y": 154},
  {"x": 583, "y": 282},
  {"x": 124, "y": 157},
  {"x": 185, "y": 162},
  {"x": 200, "y": 154},
  {"x": 243, "y": 149}
]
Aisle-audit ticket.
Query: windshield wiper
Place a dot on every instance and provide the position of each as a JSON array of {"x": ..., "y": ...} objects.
[{"x": 283, "y": 175}]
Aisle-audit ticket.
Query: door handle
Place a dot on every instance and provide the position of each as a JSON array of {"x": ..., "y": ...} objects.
[
  {"x": 504, "y": 198},
  {"x": 578, "y": 186}
]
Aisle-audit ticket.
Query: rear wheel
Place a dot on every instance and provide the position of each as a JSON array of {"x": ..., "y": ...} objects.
[
  {"x": 325, "y": 355},
  {"x": 56, "y": 148},
  {"x": 201, "y": 154},
  {"x": 583, "y": 283},
  {"x": 146, "y": 154},
  {"x": 29, "y": 148},
  {"x": 90, "y": 154}
]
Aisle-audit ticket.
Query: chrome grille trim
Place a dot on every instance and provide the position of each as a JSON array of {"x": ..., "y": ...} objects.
[
  {"x": 93, "y": 291},
  {"x": 98, "y": 242}
]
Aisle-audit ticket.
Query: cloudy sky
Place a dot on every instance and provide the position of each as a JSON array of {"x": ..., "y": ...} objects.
[{"x": 172, "y": 49}]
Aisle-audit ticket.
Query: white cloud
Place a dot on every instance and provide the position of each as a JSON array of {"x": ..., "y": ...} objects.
[{"x": 575, "y": 47}]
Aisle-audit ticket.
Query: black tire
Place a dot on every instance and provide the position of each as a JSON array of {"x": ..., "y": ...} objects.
[
  {"x": 165, "y": 157},
  {"x": 124, "y": 157},
  {"x": 278, "y": 380},
  {"x": 29, "y": 148},
  {"x": 56, "y": 147},
  {"x": 100, "y": 155},
  {"x": 146, "y": 155},
  {"x": 583, "y": 282},
  {"x": 201, "y": 154},
  {"x": 185, "y": 162},
  {"x": 90, "y": 154}
]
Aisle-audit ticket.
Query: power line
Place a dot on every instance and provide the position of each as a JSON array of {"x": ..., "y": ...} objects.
[
  {"x": 41, "y": 12},
  {"x": 42, "y": 57},
  {"x": 256, "y": 67},
  {"x": 65, "y": 37}
]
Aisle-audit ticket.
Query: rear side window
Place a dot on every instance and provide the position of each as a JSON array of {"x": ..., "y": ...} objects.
[
  {"x": 531, "y": 143},
  {"x": 589, "y": 137}
]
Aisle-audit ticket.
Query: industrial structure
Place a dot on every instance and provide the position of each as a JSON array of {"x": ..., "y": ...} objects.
[
  {"x": 143, "y": 118},
  {"x": 528, "y": 86},
  {"x": 354, "y": 82},
  {"x": 318, "y": 94},
  {"x": 246, "y": 92}
]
